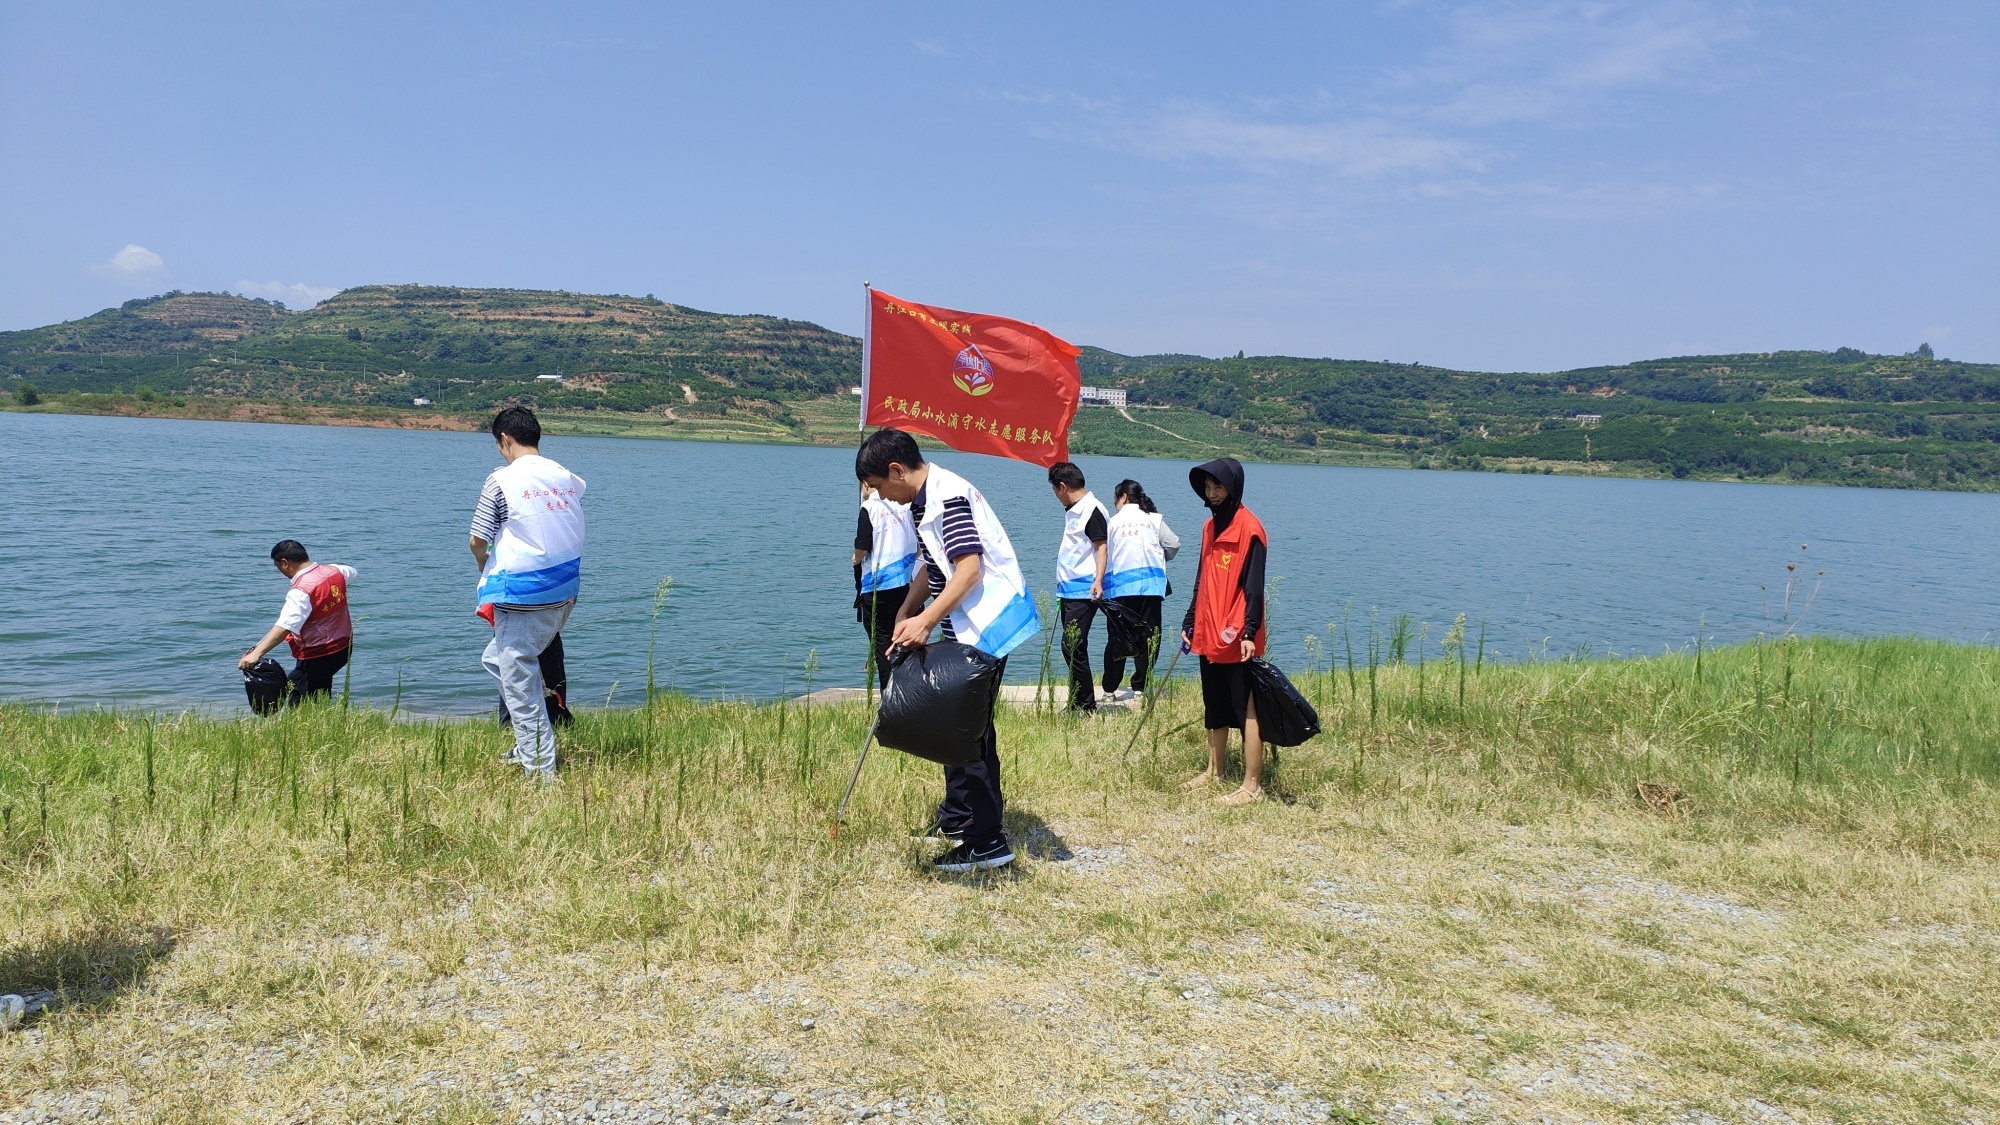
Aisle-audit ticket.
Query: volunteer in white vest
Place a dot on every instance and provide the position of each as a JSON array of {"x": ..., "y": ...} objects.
[
  {"x": 885, "y": 563},
  {"x": 974, "y": 588},
  {"x": 527, "y": 537},
  {"x": 1135, "y": 583},
  {"x": 1080, "y": 566}
]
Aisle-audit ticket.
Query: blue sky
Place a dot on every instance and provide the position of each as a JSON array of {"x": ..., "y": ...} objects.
[{"x": 1501, "y": 186}]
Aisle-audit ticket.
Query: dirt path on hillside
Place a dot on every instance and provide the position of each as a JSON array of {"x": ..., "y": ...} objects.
[{"x": 1123, "y": 413}]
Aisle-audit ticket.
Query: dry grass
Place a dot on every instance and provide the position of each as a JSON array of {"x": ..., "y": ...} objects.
[{"x": 1456, "y": 911}]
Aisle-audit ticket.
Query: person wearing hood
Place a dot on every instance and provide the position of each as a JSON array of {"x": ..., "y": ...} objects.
[{"x": 1224, "y": 625}]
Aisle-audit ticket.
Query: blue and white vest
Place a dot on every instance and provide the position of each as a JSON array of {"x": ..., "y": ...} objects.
[
  {"x": 1076, "y": 558},
  {"x": 997, "y": 615},
  {"x": 539, "y": 557},
  {"x": 892, "y": 562},
  {"x": 1137, "y": 566}
]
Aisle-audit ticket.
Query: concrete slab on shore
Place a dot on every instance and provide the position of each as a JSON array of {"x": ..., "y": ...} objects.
[{"x": 1020, "y": 695}]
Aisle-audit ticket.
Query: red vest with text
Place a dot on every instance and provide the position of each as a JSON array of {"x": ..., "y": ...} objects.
[
  {"x": 328, "y": 629},
  {"x": 1220, "y": 603}
]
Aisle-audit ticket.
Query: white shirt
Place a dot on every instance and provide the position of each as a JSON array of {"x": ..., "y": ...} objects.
[{"x": 298, "y": 606}]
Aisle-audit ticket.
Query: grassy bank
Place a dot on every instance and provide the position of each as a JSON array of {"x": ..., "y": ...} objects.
[{"x": 1457, "y": 905}]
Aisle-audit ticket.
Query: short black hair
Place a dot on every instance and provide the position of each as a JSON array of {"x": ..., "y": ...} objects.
[
  {"x": 290, "y": 550},
  {"x": 883, "y": 448},
  {"x": 519, "y": 423},
  {"x": 1066, "y": 472}
]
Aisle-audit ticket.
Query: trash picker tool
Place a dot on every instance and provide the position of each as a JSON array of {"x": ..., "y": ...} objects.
[
  {"x": 833, "y": 833},
  {"x": 894, "y": 655},
  {"x": 1153, "y": 697}
]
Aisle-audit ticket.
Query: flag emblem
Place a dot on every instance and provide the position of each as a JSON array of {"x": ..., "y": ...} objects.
[
  {"x": 1017, "y": 385},
  {"x": 972, "y": 371}
]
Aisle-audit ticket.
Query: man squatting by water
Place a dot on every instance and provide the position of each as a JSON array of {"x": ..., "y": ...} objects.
[
  {"x": 885, "y": 562},
  {"x": 1080, "y": 562},
  {"x": 1224, "y": 625},
  {"x": 527, "y": 538},
  {"x": 983, "y": 602},
  {"x": 314, "y": 621}
]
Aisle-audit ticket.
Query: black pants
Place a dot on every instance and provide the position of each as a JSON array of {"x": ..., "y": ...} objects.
[
  {"x": 877, "y": 613},
  {"x": 1225, "y": 695},
  {"x": 555, "y": 687},
  {"x": 314, "y": 675},
  {"x": 972, "y": 802},
  {"x": 1135, "y": 634},
  {"x": 1076, "y": 615}
]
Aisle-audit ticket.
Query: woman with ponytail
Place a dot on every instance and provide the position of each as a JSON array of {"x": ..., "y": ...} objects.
[{"x": 1135, "y": 581}]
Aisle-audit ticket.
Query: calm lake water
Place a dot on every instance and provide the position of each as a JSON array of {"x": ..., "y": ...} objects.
[{"x": 137, "y": 568}]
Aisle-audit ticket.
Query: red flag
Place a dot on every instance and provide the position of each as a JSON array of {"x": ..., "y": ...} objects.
[{"x": 983, "y": 384}]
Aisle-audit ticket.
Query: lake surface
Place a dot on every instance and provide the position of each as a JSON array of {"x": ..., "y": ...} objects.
[{"x": 137, "y": 565}]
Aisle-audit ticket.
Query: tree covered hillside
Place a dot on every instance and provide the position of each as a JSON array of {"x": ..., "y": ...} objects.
[
  {"x": 1840, "y": 417},
  {"x": 617, "y": 364},
  {"x": 461, "y": 348}
]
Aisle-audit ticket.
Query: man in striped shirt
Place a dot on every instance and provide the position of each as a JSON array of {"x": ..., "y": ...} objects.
[
  {"x": 527, "y": 537},
  {"x": 890, "y": 463}
]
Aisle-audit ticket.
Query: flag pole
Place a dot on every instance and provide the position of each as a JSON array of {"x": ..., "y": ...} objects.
[{"x": 867, "y": 319}]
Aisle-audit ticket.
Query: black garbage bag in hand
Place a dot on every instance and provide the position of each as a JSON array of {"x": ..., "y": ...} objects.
[
  {"x": 265, "y": 683},
  {"x": 938, "y": 702},
  {"x": 1284, "y": 717}
]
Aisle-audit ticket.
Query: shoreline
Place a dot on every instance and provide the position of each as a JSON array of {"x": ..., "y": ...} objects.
[{"x": 743, "y": 431}]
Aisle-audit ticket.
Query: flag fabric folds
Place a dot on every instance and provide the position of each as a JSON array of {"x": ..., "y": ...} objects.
[{"x": 978, "y": 383}]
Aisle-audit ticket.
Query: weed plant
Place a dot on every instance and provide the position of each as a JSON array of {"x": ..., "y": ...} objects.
[{"x": 353, "y": 892}]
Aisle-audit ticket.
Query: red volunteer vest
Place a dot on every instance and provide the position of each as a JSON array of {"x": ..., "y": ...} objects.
[
  {"x": 328, "y": 629},
  {"x": 1220, "y": 602}
]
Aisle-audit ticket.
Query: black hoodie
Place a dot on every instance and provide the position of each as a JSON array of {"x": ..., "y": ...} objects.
[{"x": 1229, "y": 471}]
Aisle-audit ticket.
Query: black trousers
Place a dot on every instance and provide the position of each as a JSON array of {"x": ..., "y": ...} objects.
[
  {"x": 1076, "y": 616},
  {"x": 1136, "y": 635},
  {"x": 972, "y": 802},
  {"x": 314, "y": 675},
  {"x": 555, "y": 687},
  {"x": 877, "y": 613},
  {"x": 1225, "y": 695}
]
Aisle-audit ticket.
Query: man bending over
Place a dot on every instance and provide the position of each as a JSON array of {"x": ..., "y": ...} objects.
[{"x": 314, "y": 622}]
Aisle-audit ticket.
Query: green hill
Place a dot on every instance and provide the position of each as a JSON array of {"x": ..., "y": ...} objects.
[
  {"x": 464, "y": 349},
  {"x": 637, "y": 364}
]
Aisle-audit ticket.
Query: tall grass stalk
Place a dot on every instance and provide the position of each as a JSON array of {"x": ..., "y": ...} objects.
[{"x": 660, "y": 592}]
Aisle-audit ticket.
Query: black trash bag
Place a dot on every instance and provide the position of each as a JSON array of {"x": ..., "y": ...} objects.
[
  {"x": 1284, "y": 717},
  {"x": 939, "y": 699},
  {"x": 265, "y": 683}
]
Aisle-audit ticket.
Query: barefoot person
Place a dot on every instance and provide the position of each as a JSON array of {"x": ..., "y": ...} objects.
[
  {"x": 976, "y": 591},
  {"x": 1224, "y": 625},
  {"x": 1135, "y": 580},
  {"x": 527, "y": 537},
  {"x": 314, "y": 622},
  {"x": 1080, "y": 562}
]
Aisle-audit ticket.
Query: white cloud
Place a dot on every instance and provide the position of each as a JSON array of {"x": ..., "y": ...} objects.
[
  {"x": 133, "y": 261},
  {"x": 1521, "y": 62},
  {"x": 295, "y": 294},
  {"x": 1192, "y": 131}
]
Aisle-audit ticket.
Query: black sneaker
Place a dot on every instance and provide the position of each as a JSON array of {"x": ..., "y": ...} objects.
[{"x": 965, "y": 858}]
